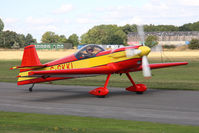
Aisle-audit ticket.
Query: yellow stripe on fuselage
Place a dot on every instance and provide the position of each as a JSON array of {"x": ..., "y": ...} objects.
[{"x": 84, "y": 63}]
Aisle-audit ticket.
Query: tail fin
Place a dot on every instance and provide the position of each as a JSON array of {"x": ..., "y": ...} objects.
[
  {"x": 30, "y": 57},
  {"x": 30, "y": 60}
]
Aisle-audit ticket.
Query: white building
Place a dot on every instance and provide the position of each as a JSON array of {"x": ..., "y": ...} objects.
[{"x": 166, "y": 38}]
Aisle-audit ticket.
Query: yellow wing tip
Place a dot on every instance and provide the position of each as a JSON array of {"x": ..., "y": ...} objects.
[{"x": 13, "y": 68}]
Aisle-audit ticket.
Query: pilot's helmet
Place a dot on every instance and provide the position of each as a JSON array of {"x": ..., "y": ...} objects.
[{"x": 90, "y": 49}]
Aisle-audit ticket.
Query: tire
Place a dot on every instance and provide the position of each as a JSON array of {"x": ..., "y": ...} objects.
[{"x": 101, "y": 96}]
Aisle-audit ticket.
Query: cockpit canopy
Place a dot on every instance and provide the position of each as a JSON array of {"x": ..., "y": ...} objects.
[{"x": 88, "y": 51}]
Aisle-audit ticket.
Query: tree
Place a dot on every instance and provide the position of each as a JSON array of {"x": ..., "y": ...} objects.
[
  {"x": 152, "y": 28},
  {"x": 84, "y": 38},
  {"x": 194, "y": 44},
  {"x": 149, "y": 28},
  {"x": 8, "y": 38},
  {"x": 50, "y": 37},
  {"x": 129, "y": 28},
  {"x": 195, "y": 26},
  {"x": 62, "y": 39},
  {"x": 21, "y": 39},
  {"x": 119, "y": 37},
  {"x": 151, "y": 41},
  {"x": 73, "y": 39},
  {"x": 104, "y": 34},
  {"x": 29, "y": 39},
  {"x": 2, "y": 40},
  {"x": 1, "y": 25},
  {"x": 190, "y": 27}
]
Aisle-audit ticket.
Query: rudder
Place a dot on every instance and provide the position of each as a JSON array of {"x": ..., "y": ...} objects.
[
  {"x": 30, "y": 61},
  {"x": 30, "y": 57}
]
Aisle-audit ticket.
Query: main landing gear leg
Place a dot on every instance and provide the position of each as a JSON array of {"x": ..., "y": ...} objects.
[
  {"x": 30, "y": 89},
  {"x": 101, "y": 91},
  {"x": 138, "y": 88}
]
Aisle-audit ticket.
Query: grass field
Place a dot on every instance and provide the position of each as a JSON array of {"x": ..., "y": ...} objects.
[
  {"x": 181, "y": 77},
  {"x": 40, "y": 123}
]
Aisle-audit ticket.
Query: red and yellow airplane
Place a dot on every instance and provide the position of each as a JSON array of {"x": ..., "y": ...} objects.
[{"x": 91, "y": 60}]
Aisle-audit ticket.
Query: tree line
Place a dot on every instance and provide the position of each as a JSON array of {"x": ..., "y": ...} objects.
[
  {"x": 51, "y": 37},
  {"x": 113, "y": 34},
  {"x": 11, "y": 39},
  {"x": 101, "y": 34}
]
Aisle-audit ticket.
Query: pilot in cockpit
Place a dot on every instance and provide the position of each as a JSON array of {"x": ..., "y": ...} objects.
[{"x": 90, "y": 51}]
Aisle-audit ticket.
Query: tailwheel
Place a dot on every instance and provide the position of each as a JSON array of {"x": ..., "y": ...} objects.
[{"x": 30, "y": 89}]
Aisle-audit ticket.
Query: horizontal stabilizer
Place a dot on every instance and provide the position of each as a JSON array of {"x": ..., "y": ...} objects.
[{"x": 28, "y": 67}]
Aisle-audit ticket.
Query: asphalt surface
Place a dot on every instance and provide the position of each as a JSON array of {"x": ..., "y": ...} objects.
[{"x": 165, "y": 106}]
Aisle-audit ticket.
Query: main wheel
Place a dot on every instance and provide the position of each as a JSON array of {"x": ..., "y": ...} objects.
[{"x": 103, "y": 96}]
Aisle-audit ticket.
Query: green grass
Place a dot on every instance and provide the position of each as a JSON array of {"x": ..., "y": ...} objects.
[
  {"x": 181, "y": 77},
  {"x": 11, "y": 122}
]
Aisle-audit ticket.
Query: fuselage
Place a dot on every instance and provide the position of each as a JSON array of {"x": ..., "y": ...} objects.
[{"x": 114, "y": 59}]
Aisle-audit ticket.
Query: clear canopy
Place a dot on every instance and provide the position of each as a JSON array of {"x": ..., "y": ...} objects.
[{"x": 88, "y": 51}]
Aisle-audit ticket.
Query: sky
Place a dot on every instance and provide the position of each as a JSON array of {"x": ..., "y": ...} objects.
[{"x": 65, "y": 17}]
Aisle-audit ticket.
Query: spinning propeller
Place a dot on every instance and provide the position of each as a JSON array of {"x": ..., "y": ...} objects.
[
  {"x": 145, "y": 63},
  {"x": 142, "y": 51}
]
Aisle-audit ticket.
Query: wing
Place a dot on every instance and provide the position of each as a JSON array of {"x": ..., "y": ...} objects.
[
  {"x": 81, "y": 72},
  {"x": 51, "y": 75},
  {"x": 161, "y": 65}
]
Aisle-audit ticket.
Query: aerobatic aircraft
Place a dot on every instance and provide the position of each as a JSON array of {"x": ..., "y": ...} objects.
[{"x": 91, "y": 60}]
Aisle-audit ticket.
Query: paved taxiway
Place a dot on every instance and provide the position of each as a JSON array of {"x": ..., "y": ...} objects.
[{"x": 166, "y": 106}]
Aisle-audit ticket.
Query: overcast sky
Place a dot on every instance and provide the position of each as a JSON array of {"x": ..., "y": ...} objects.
[{"x": 78, "y": 16}]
